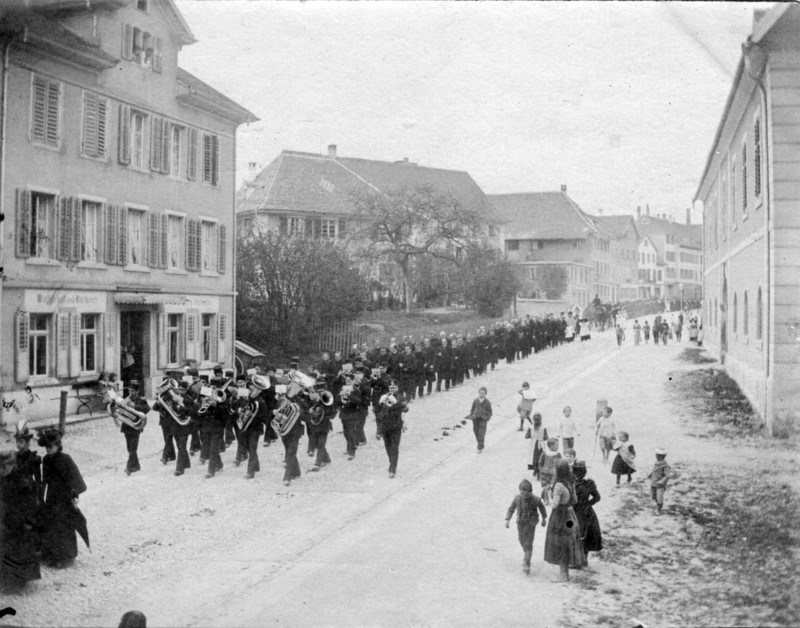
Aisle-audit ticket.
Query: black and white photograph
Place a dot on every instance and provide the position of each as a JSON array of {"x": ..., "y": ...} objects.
[{"x": 394, "y": 314}]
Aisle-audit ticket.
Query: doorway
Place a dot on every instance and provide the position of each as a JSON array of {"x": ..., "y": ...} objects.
[{"x": 134, "y": 355}]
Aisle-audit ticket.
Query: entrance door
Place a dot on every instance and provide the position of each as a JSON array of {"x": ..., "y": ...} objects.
[{"x": 135, "y": 348}]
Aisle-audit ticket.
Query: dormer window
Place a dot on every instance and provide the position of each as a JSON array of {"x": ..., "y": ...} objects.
[
  {"x": 143, "y": 5},
  {"x": 141, "y": 47}
]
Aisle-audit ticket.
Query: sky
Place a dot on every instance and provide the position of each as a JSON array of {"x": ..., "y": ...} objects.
[{"x": 618, "y": 101}]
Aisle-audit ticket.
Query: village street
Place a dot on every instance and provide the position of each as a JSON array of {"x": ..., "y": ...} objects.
[{"x": 348, "y": 546}]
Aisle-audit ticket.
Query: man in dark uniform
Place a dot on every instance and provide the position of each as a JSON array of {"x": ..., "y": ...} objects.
[
  {"x": 350, "y": 414},
  {"x": 428, "y": 364},
  {"x": 362, "y": 381},
  {"x": 390, "y": 424},
  {"x": 135, "y": 402}
]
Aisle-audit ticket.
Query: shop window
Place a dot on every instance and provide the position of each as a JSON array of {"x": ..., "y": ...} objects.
[
  {"x": 46, "y": 111},
  {"x": 39, "y": 344},
  {"x": 207, "y": 337},
  {"x": 89, "y": 327},
  {"x": 174, "y": 338},
  {"x": 91, "y": 231},
  {"x": 175, "y": 240}
]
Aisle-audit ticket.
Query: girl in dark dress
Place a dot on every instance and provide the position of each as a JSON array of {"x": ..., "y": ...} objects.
[
  {"x": 587, "y": 495},
  {"x": 18, "y": 504},
  {"x": 62, "y": 484},
  {"x": 625, "y": 461},
  {"x": 562, "y": 546}
]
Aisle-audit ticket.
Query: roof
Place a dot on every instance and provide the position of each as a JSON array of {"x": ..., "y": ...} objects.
[
  {"x": 618, "y": 224},
  {"x": 203, "y": 96},
  {"x": 685, "y": 235},
  {"x": 323, "y": 184},
  {"x": 544, "y": 216}
]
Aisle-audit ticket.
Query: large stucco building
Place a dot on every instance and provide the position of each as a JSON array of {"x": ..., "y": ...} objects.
[
  {"x": 750, "y": 194},
  {"x": 118, "y": 196}
]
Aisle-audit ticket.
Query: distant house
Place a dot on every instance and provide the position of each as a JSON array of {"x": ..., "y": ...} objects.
[
  {"x": 624, "y": 258},
  {"x": 750, "y": 192},
  {"x": 650, "y": 271},
  {"x": 549, "y": 228}
]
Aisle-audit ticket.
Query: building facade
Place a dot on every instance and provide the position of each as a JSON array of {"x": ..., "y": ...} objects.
[
  {"x": 118, "y": 194},
  {"x": 749, "y": 192}
]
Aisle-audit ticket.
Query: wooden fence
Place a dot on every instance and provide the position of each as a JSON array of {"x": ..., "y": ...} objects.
[{"x": 342, "y": 335}]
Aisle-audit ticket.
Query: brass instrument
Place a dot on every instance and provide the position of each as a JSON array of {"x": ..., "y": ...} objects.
[
  {"x": 217, "y": 396},
  {"x": 120, "y": 410},
  {"x": 317, "y": 411},
  {"x": 344, "y": 395},
  {"x": 286, "y": 415},
  {"x": 248, "y": 410},
  {"x": 170, "y": 399}
]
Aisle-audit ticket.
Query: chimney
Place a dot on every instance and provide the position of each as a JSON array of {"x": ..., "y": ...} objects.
[
  {"x": 638, "y": 212},
  {"x": 564, "y": 188},
  {"x": 757, "y": 15},
  {"x": 332, "y": 150},
  {"x": 405, "y": 160}
]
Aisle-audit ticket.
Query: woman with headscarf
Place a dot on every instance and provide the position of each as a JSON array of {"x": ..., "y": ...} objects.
[
  {"x": 562, "y": 545},
  {"x": 62, "y": 482},
  {"x": 587, "y": 495},
  {"x": 18, "y": 504}
]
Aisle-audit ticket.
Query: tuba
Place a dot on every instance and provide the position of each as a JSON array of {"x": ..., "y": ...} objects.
[
  {"x": 170, "y": 399},
  {"x": 286, "y": 415},
  {"x": 248, "y": 408},
  {"x": 317, "y": 411},
  {"x": 121, "y": 412}
]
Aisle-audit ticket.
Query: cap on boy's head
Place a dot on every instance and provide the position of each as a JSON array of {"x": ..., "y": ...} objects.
[
  {"x": 525, "y": 485},
  {"x": 660, "y": 451},
  {"x": 526, "y": 385}
]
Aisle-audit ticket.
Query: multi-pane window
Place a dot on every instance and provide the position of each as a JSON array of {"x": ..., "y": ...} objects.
[
  {"x": 175, "y": 149},
  {"x": 295, "y": 226},
  {"x": 206, "y": 336},
  {"x": 745, "y": 315},
  {"x": 90, "y": 231},
  {"x": 137, "y": 139},
  {"x": 757, "y": 158},
  {"x": 173, "y": 338},
  {"x": 141, "y": 47},
  {"x": 89, "y": 342},
  {"x": 208, "y": 249},
  {"x": 38, "y": 344},
  {"x": 41, "y": 239},
  {"x": 136, "y": 237},
  {"x": 95, "y": 125},
  {"x": 327, "y": 228},
  {"x": 175, "y": 241},
  {"x": 211, "y": 159},
  {"x": 46, "y": 113}
]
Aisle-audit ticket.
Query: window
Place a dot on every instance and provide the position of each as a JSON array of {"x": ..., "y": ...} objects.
[
  {"x": 723, "y": 201},
  {"x": 175, "y": 239},
  {"x": 745, "y": 316},
  {"x": 141, "y": 47},
  {"x": 733, "y": 188},
  {"x": 174, "y": 338},
  {"x": 175, "y": 149},
  {"x": 327, "y": 229},
  {"x": 735, "y": 313},
  {"x": 137, "y": 139},
  {"x": 206, "y": 335},
  {"x": 46, "y": 111},
  {"x": 757, "y": 158},
  {"x": 89, "y": 328},
  {"x": 208, "y": 231},
  {"x": 759, "y": 316},
  {"x": 136, "y": 237},
  {"x": 91, "y": 231},
  {"x": 95, "y": 123},
  {"x": 295, "y": 226},
  {"x": 513, "y": 245},
  {"x": 38, "y": 344},
  {"x": 211, "y": 159},
  {"x": 744, "y": 177},
  {"x": 143, "y": 5},
  {"x": 41, "y": 240}
]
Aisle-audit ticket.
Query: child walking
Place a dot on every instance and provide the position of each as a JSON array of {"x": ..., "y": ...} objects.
[
  {"x": 624, "y": 463},
  {"x": 605, "y": 431},
  {"x": 528, "y": 506},
  {"x": 567, "y": 429},
  {"x": 547, "y": 466},
  {"x": 659, "y": 476},
  {"x": 479, "y": 414},
  {"x": 525, "y": 406},
  {"x": 538, "y": 443}
]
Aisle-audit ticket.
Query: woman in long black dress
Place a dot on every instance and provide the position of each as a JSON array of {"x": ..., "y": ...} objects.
[
  {"x": 18, "y": 504},
  {"x": 587, "y": 495},
  {"x": 562, "y": 546},
  {"x": 62, "y": 483}
]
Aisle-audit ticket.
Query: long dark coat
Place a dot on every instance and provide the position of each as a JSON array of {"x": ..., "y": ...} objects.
[
  {"x": 588, "y": 495},
  {"x": 62, "y": 483},
  {"x": 18, "y": 505}
]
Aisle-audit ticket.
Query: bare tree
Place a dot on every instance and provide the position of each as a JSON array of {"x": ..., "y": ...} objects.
[{"x": 415, "y": 222}]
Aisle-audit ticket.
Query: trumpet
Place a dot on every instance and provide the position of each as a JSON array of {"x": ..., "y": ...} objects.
[{"x": 121, "y": 412}]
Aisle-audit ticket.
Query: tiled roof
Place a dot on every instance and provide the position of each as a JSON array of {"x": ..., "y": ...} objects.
[
  {"x": 313, "y": 183},
  {"x": 617, "y": 224},
  {"x": 543, "y": 216},
  {"x": 687, "y": 235}
]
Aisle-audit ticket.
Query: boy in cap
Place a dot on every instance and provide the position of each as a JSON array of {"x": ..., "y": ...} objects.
[
  {"x": 528, "y": 506},
  {"x": 659, "y": 476}
]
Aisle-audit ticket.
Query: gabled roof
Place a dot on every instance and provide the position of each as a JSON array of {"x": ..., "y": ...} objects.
[
  {"x": 685, "y": 235},
  {"x": 322, "y": 184},
  {"x": 544, "y": 216},
  {"x": 618, "y": 224},
  {"x": 199, "y": 94}
]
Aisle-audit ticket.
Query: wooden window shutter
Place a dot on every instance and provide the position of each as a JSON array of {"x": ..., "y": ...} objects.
[
  {"x": 122, "y": 253},
  {"x": 161, "y": 322},
  {"x": 163, "y": 239},
  {"x": 221, "y": 247},
  {"x": 102, "y": 126},
  {"x": 23, "y": 223},
  {"x": 192, "y": 242},
  {"x": 39, "y": 114},
  {"x": 75, "y": 350},
  {"x": 157, "y": 55},
  {"x": 53, "y": 105},
  {"x": 112, "y": 234},
  {"x": 100, "y": 363},
  {"x": 223, "y": 335},
  {"x": 215, "y": 160},
  {"x": 127, "y": 41},
  {"x": 309, "y": 228},
  {"x": 283, "y": 224},
  {"x": 154, "y": 241},
  {"x": 156, "y": 126},
  {"x": 191, "y": 154},
  {"x": 318, "y": 228},
  {"x": 341, "y": 229},
  {"x": 63, "y": 229},
  {"x": 21, "y": 324},
  {"x": 166, "y": 129},
  {"x": 124, "y": 134},
  {"x": 101, "y": 232},
  {"x": 75, "y": 231},
  {"x": 63, "y": 331},
  {"x": 207, "y": 158},
  {"x": 90, "y": 118}
]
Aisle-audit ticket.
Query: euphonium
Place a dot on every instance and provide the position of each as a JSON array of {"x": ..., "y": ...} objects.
[
  {"x": 285, "y": 417},
  {"x": 169, "y": 398},
  {"x": 121, "y": 412},
  {"x": 246, "y": 412}
]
